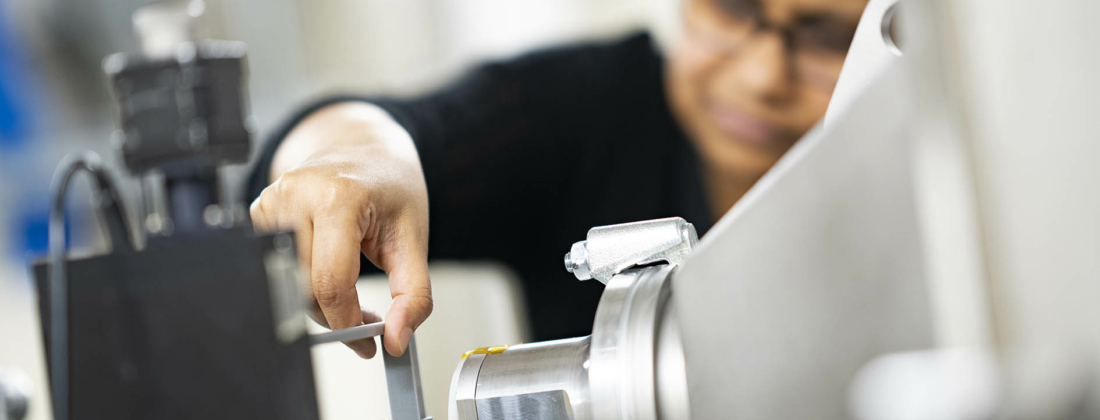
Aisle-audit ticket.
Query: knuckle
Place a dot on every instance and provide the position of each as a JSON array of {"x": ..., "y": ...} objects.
[
  {"x": 296, "y": 182},
  {"x": 327, "y": 292},
  {"x": 422, "y": 303},
  {"x": 293, "y": 177},
  {"x": 332, "y": 192},
  {"x": 258, "y": 210},
  {"x": 268, "y": 197},
  {"x": 429, "y": 306},
  {"x": 342, "y": 198},
  {"x": 339, "y": 187},
  {"x": 255, "y": 210},
  {"x": 323, "y": 191}
]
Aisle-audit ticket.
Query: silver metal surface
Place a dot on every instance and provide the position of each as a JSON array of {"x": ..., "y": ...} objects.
[
  {"x": 609, "y": 250},
  {"x": 464, "y": 388},
  {"x": 624, "y": 337},
  {"x": 612, "y": 374},
  {"x": 871, "y": 52},
  {"x": 549, "y": 366},
  {"x": 814, "y": 272},
  {"x": 1005, "y": 143},
  {"x": 15, "y": 394},
  {"x": 631, "y": 367},
  {"x": 671, "y": 369},
  {"x": 403, "y": 384},
  {"x": 535, "y": 405},
  {"x": 349, "y": 334}
]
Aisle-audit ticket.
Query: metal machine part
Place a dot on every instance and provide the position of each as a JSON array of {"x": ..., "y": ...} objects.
[
  {"x": 15, "y": 394},
  {"x": 403, "y": 384},
  {"x": 631, "y": 367},
  {"x": 814, "y": 272},
  {"x": 538, "y": 379},
  {"x": 182, "y": 113},
  {"x": 609, "y": 250},
  {"x": 873, "y": 49},
  {"x": 626, "y": 347},
  {"x": 162, "y": 27}
]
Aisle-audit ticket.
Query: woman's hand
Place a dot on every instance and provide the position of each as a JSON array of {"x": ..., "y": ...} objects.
[{"x": 347, "y": 179}]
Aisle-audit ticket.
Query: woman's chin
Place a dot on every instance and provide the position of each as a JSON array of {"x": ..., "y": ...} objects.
[{"x": 735, "y": 156}]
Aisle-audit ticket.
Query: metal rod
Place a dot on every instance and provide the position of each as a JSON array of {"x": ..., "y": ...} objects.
[{"x": 349, "y": 334}]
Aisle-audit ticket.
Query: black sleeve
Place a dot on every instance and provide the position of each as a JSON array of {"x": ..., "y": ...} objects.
[{"x": 500, "y": 147}]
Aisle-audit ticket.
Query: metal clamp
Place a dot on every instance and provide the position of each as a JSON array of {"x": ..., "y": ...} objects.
[{"x": 609, "y": 250}]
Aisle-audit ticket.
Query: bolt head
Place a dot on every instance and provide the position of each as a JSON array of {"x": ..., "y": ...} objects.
[{"x": 576, "y": 261}]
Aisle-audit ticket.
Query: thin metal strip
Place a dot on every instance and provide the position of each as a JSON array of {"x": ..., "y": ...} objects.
[
  {"x": 349, "y": 334},
  {"x": 403, "y": 384}
]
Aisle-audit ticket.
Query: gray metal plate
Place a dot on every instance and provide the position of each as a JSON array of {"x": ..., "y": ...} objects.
[{"x": 814, "y": 272}]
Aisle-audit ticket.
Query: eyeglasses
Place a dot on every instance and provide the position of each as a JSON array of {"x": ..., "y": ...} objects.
[{"x": 814, "y": 44}]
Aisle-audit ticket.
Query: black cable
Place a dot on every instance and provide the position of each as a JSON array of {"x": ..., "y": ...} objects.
[{"x": 109, "y": 206}]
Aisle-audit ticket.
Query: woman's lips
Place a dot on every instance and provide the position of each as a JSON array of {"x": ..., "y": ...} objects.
[{"x": 744, "y": 127}]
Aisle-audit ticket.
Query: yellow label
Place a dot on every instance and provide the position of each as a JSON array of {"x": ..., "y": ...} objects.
[{"x": 485, "y": 350}]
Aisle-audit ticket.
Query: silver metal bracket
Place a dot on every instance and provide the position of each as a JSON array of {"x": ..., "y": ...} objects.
[{"x": 609, "y": 250}]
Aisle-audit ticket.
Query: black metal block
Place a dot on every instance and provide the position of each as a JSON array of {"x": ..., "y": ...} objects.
[{"x": 183, "y": 329}]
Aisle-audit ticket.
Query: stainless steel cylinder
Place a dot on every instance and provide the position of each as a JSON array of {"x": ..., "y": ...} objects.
[
  {"x": 539, "y": 380},
  {"x": 631, "y": 367}
]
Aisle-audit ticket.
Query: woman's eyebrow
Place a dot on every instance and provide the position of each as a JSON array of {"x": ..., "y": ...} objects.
[
  {"x": 824, "y": 17},
  {"x": 739, "y": 7}
]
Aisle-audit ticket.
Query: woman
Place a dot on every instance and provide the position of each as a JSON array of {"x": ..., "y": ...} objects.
[{"x": 517, "y": 160}]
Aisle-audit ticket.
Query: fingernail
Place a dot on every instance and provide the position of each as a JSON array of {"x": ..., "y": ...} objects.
[{"x": 406, "y": 336}]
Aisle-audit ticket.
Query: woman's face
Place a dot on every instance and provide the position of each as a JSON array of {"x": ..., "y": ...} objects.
[{"x": 750, "y": 77}]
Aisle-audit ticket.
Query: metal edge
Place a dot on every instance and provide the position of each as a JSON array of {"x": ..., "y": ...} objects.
[
  {"x": 627, "y": 317},
  {"x": 466, "y": 387},
  {"x": 638, "y": 330}
]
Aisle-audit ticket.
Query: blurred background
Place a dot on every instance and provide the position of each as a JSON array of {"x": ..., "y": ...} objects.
[{"x": 54, "y": 100}]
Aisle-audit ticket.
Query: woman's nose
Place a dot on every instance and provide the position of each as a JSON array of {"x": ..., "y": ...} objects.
[{"x": 763, "y": 69}]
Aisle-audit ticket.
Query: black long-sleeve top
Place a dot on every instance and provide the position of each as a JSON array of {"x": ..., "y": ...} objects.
[{"x": 522, "y": 157}]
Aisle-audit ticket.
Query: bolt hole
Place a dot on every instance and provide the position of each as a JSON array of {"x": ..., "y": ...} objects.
[{"x": 890, "y": 30}]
